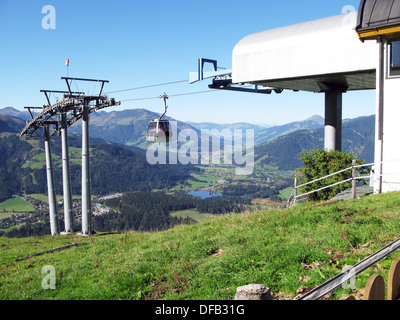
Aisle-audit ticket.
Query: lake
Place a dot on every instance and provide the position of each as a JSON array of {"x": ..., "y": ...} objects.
[{"x": 204, "y": 194}]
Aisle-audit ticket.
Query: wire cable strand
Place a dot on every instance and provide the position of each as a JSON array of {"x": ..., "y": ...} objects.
[
  {"x": 149, "y": 86},
  {"x": 172, "y": 95}
]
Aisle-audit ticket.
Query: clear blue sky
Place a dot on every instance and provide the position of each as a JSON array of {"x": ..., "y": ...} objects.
[{"x": 138, "y": 43}]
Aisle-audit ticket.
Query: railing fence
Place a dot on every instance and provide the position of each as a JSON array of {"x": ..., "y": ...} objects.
[{"x": 295, "y": 193}]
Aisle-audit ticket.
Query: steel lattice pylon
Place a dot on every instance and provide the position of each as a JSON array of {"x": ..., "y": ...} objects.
[{"x": 55, "y": 120}]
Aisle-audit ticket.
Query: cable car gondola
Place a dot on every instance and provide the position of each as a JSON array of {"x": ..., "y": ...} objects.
[{"x": 159, "y": 130}]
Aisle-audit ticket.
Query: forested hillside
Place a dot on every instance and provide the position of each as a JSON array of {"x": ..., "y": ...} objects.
[
  {"x": 13, "y": 176},
  {"x": 113, "y": 168},
  {"x": 268, "y": 134},
  {"x": 149, "y": 211},
  {"x": 282, "y": 152}
]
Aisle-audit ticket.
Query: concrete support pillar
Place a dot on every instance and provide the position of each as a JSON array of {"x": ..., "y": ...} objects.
[
  {"x": 87, "y": 227},
  {"x": 68, "y": 214},
  {"x": 54, "y": 223},
  {"x": 333, "y": 120}
]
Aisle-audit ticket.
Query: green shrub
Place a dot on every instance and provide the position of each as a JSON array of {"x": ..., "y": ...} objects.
[{"x": 319, "y": 163}]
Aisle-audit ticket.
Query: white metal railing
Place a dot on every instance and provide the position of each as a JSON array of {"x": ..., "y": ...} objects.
[
  {"x": 294, "y": 196},
  {"x": 353, "y": 178}
]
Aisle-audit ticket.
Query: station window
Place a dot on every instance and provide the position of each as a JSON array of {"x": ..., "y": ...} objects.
[{"x": 394, "y": 68}]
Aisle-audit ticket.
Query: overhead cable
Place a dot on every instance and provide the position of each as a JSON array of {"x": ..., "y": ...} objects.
[
  {"x": 149, "y": 86},
  {"x": 171, "y": 95}
]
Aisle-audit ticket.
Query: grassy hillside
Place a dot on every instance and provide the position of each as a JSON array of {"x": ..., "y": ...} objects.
[{"x": 283, "y": 249}]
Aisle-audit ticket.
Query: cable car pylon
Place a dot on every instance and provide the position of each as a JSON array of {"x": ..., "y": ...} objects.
[{"x": 55, "y": 119}]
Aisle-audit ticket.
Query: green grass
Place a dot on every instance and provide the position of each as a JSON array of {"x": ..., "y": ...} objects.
[
  {"x": 285, "y": 193},
  {"x": 210, "y": 176},
  {"x": 197, "y": 184},
  {"x": 211, "y": 259},
  {"x": 43, "y": 197},
  {"x": 39, "y": 160},
  {"x": 15, "y": 204},
  {"x": 192, "y": 213},
  {"x": 36, "y": 162}
]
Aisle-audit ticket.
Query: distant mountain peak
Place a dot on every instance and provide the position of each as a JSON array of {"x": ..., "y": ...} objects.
[
  {"x": 10, "y": 111},
  {"x": 317, "y": 119}
]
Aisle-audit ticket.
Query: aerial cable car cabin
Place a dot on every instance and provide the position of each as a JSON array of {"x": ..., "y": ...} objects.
[
  {"x": 158, "y": 130},
  {"x": 331, "y": 56}
]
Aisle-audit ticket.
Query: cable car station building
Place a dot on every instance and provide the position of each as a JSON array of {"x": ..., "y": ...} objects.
[{"x": 353, "y": 51}]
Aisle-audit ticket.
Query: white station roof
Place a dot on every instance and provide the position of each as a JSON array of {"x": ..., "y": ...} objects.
[{"x": 316, "y": 56}]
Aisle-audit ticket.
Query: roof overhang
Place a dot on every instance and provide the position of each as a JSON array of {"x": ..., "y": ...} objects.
[
  {"x": 378, "y": 18},
  {"x": 316, "y": 56}
]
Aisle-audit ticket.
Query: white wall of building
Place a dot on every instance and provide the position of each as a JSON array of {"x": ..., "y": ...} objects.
[{"x": 391, "y": 133}]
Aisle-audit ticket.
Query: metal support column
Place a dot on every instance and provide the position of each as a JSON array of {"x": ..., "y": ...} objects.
[
  {"x": 68, "y": 213},
  {"x": 333, "y": 120},
  {"x": 380, "y": 89},
  {"x": 87, "y": 228},
  {"x": 54, "y": 224}
]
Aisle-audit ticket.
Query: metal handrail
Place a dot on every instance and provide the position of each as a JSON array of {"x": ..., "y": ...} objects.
[
  {"x": 327, "y": 176},
  {"x": 323, "y": 188},
  {"x": 353, "y": 167}
]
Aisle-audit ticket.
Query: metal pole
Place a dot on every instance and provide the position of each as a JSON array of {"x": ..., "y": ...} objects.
[
  {"x": 68, "y": 214},
  {"x": 54, "y": 224},
  {"x": 295, "y": 192},
  {"x": 380, "y": 89},
  {"x": 86, "y": 197},
  {"x": 354, "y": 182}
]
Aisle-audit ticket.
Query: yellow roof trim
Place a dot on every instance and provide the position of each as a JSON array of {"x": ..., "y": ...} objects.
[{"x": 374, "y": 34}]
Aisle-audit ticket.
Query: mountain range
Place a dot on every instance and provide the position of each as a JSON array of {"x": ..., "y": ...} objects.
[
  {"x": 278, "y": 146},
  {"x": 128, "y": 127},
  {"x": 358, "y": 137}
]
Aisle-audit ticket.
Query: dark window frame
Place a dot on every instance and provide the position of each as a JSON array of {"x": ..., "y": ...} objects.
[{"x": 394, "y": 64}]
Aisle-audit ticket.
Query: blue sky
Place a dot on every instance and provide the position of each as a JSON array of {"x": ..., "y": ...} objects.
[{"x": 138, "y": 43}]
